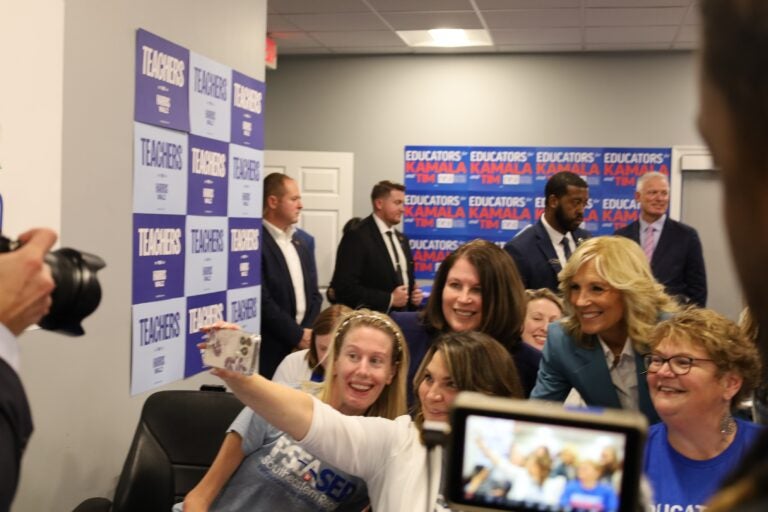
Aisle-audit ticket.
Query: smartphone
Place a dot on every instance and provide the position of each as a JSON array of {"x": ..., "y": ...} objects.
[{"x": 233, "y": 350}]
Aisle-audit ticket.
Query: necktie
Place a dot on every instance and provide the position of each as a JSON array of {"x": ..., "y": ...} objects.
[
  {"x": 648, "y": 242},
  {"x": 566, "y": 247},
  {"x": 398, "y": 270}
]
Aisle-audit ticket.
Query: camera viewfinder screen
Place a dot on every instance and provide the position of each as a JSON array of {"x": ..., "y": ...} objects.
[{"x": 513, "y": 464}]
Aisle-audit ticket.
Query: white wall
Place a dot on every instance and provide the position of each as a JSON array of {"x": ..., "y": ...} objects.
[
  {"x": 32, "y": 58},
  {"x": 373, "y": 106},
  {"x": 84, "y": 417}
]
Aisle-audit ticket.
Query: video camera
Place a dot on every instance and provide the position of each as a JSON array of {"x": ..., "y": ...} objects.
[
  {"x": 77, "y": 293},
  {"x": 507, "y": 454}
]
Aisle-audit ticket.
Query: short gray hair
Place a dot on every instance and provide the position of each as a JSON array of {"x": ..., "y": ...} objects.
[{"x": 649, "y": 176}]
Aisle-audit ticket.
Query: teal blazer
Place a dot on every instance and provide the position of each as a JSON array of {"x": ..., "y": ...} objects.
[{"x": 565, "y": 365}]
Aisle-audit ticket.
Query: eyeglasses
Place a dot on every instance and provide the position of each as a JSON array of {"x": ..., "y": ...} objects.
[{"x": 679, "y": 365}]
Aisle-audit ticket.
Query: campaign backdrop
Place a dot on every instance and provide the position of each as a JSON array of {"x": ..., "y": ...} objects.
[
  {"x": 197, "y": 201},
  {"x": 458, "y": 193}
]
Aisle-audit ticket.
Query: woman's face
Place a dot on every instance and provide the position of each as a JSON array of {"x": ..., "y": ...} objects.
[
  {"x": 538, "y": 315},
  {"x": 462, "y": 297},
  {"x": 599, "y": 307},
  {"x": 322, "y": 342},
  {"x": 699, "y": 394},
  {"x": 363, "y": 369},
  {"x": 437, "y": 391}
]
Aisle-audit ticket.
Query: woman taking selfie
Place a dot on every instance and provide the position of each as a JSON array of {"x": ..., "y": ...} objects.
[{"x": 388, "y": 455}]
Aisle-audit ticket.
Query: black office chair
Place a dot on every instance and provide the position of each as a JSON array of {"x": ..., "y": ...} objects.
[{"x": 178, "y": 436}]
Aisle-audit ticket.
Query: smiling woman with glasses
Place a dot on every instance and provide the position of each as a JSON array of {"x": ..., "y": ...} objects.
[{"x": 700, "y": 367}]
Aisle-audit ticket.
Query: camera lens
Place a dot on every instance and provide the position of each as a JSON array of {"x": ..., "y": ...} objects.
[{"x": 77, "y": 292}]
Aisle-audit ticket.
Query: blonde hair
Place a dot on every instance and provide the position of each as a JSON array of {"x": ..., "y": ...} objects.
[
  {"x": 544, "y": 293},
  {"x": 623, "y": 265},
  {"x": 723, "y": 341},
  {"x": 392, "y": 402}
]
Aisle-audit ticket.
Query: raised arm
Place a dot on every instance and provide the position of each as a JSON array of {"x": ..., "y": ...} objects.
[{"x": 287, "y": 409}]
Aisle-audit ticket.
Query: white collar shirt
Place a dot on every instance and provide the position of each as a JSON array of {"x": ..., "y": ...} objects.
[
  {"x": 285, "y": 242},
  {"x": 383, "y": 229},
  {"x": 556, "y": 238},
  {"x": 9, "y": 348},
  {"x": 623, "y": 370}
]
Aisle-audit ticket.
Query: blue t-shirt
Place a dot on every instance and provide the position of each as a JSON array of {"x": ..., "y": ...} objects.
[
  {"x": 680, "y": 483},
  {"x": 601, "y": 498}
]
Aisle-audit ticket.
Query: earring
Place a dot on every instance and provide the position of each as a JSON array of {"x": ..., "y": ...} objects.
[{"x": 727, "y": 424}]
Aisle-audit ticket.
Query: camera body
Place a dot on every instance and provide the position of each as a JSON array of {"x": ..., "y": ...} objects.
[
  {"x": 497, "y": 448},
  {"x": 77, "y": 293}
]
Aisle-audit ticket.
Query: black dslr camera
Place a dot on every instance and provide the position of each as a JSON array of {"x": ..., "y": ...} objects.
[{"x": 77, "y": 293}]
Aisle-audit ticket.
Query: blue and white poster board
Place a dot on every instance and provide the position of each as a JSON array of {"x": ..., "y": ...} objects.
[
  {"x": 459, "y": 193},
  {"x": 197, "y": 203}
]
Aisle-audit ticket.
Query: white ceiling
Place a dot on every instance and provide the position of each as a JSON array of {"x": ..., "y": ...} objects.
[{"x": 307, "y": 27}]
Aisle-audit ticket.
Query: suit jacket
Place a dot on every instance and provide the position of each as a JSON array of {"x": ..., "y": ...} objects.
[
  {"x": 678, "y": 260},
  {"x": 364, "y": 275},
  {"x": 565, "y": 365},
  {"x": 536, "y": 258},
  {"x": 15, "y": 429},
  {"x": 279, "y": 331}
]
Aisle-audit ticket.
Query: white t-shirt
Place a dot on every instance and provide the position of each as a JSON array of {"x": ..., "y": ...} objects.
[{"x": 293, "y": 369}]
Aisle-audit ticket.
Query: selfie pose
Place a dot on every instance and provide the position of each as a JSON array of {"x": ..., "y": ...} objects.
[{"x": 389, "y": 456}]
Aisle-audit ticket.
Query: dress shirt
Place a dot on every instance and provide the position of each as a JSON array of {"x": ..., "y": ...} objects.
[
  {"x": 623, "y": 372},
  {"x": 658, "y": 225},
  {"x": 9, "y": 348},
  {"x": 383, "y": 228},
  {"x": 284, "y": 240},
  {"x": 557, "y": 237}
]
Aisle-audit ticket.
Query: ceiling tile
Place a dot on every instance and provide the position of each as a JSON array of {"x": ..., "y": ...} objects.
[
  {"x": 540, "y": 48},
  {"x": 611, "y": 47},
  {"x": 693, "y": 17},
  {"x": 374, "y": 50},
  {"x": 634, "y": 17},
  {"x": 426, "y": 21},
  {"x": 420, "y": 5},
  {"x": 338, "y": 21},
  {"x": 537, "y": 36},
  {"x": 689, "y": 33},
  {"x": 359, "y": 39},
  {"x": 638, "y": 3},
  {"x": 279, "y": 23},
  {"x": 294, "y": 40},
  {"x": 630, "y": 35},
  {"x": 533, "y": 18},
  {"x": 316, "y": 6},
  {"x": 320, "y": 50},
  {"x": 525, "y": 4}
]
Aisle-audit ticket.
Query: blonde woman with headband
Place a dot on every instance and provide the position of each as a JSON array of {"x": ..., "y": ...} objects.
[
  {"x": 390, "y": 456},
  {"x": 261, "y": 468},
  {"x": 612, "y": 302}
]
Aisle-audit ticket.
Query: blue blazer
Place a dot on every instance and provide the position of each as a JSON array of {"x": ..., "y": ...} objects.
[
  {"x": 536, "y": 258},
  {"x": 678, "y": 260},
  {"x": 565, "y": 365},
  {"x": 279, "y": 331}
]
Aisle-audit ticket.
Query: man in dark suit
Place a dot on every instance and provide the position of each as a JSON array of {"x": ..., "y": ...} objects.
[
  {"x": 290, "y": 299},
  {"x": 541, "y": 250},
  {"x": 673, "y": 248},
  {"x": 24, "y": 300},
  {"x": 374, "y": 265}
]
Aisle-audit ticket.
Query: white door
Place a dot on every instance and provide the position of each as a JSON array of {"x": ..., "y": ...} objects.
[{"x": 325, "y": 182}]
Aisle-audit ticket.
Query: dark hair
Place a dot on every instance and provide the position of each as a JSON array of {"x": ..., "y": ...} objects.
[
  {"x": 558, "y": 184},
  {"x": 475, "y": 362},
  {"x": 324, "y": 324},
  {"x": 383, "y": 189},
  {"x": 735, "y": 44},
  {"x": 350, "y": 225},
  {"x": 274, "y": 185},
  {"x": 504, "y": 301}
]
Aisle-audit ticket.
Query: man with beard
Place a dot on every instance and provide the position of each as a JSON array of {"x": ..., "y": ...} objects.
[
  {"x": 673, "y": 249},
  {"x": 541, "y": 250}
]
